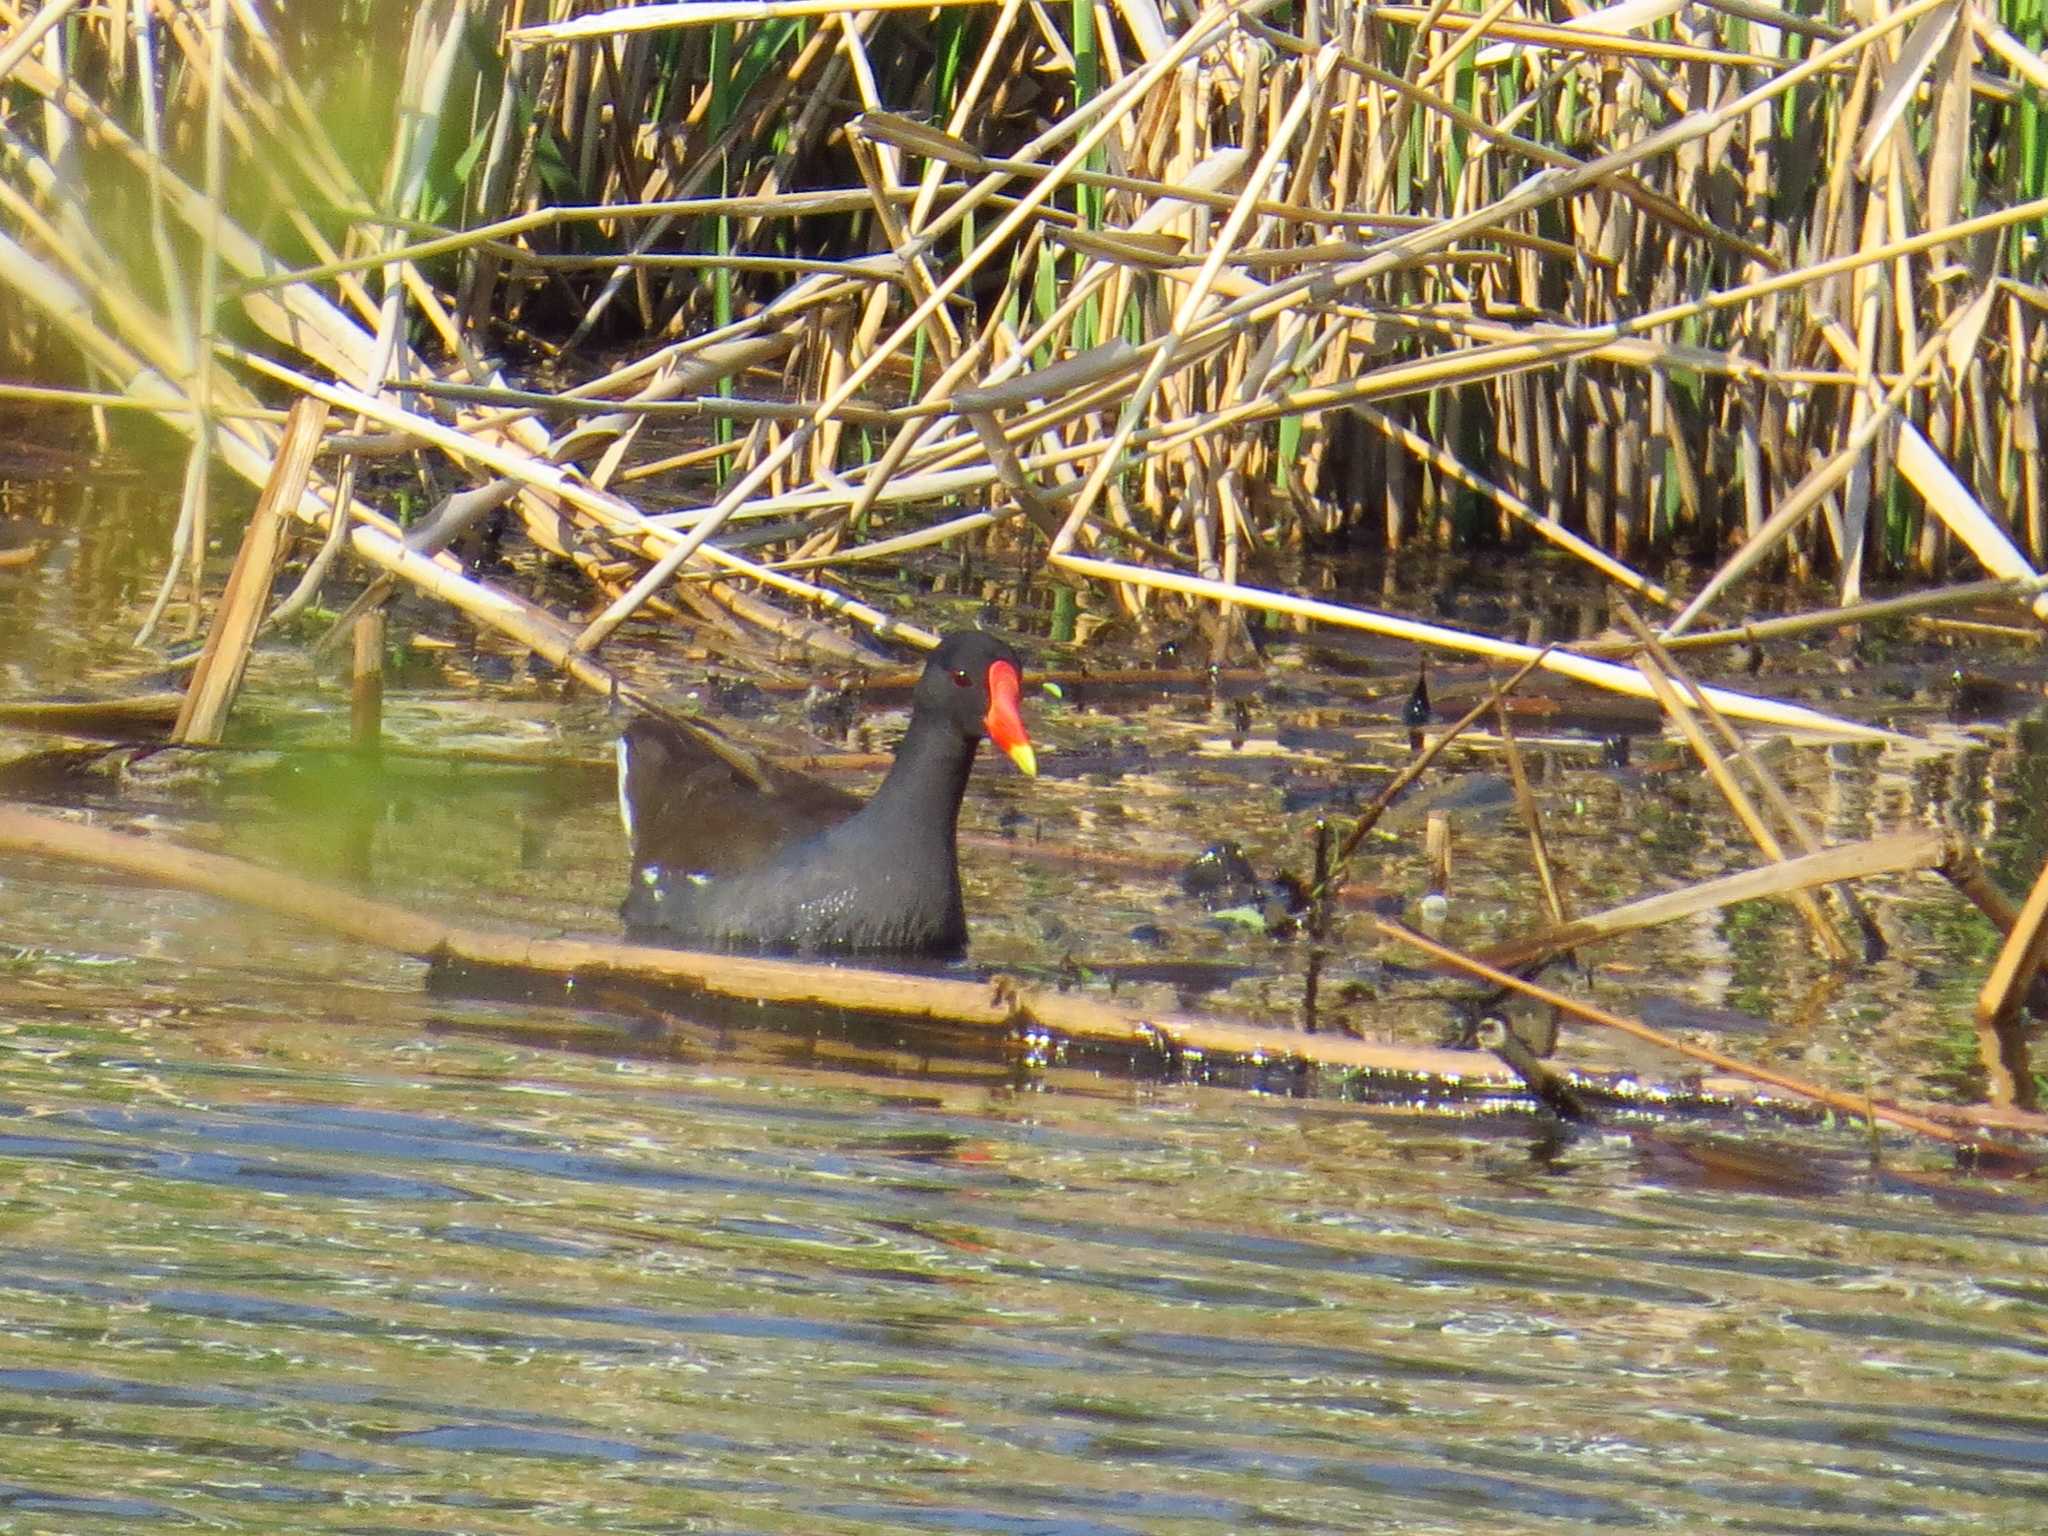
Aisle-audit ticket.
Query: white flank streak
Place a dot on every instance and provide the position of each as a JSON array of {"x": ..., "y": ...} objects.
[{"x": 625, "y": 806}]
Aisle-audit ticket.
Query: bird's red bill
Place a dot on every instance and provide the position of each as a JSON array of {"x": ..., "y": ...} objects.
[{"x": 1004, "y": 720}]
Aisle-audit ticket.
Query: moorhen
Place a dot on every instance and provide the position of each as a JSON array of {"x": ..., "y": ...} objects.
[{"x": 798, "y": 866}]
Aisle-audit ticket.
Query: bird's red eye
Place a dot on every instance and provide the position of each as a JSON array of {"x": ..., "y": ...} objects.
[{"x": 962, "y": 679}]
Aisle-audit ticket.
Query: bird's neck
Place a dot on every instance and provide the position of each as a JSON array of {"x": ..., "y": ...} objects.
[{"x": 924, "y": 786}]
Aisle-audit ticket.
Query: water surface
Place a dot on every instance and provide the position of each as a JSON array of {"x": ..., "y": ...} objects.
[{"x": 292, "y": 1241}]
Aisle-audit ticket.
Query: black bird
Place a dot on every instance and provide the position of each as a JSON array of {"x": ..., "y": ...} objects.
[{"x": 799, "y": 866}]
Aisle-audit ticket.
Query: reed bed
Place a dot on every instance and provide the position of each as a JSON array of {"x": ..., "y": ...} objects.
[{"x": 1140, "y": 292}]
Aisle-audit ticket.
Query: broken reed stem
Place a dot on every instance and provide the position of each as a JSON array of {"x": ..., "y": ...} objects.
[
  {"x": 2012, "y": 974},
  {"x": 366, "y": 681},
  {"x": 2001, "y": 1043},
  {"x": 1532, "y": 818},
  {"x": 210, "y": 693}
]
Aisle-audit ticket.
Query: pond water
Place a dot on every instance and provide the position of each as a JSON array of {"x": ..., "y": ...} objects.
[{"x": 292, "y": 1240}]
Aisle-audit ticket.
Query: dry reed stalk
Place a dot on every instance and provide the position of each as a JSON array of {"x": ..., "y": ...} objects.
[
  {"x": 101, "y": 400},
  {"x": 606, "y": 510},
  {"x": 144, "y": 715},
  {"x": 1566, "y": 663},
  {"x": 366, "y": 681},
  {"x": 1532, "y": 818},
  {"x": 1554, "y": 345},
  {"x": 1756, "y": 631},
  {"x": 323, "y": 173},
  {"x": 1810, "y": 492},
  {"x": 605, "y": 418},
  {"x": 210, "y": 692},
  {"x": 29, "y": 33},
  {"x": 1088, "y": 127},
  {"x": 662, "y": 571},
  {"x": 1572, "y": 176},
  {"x": 2005, "y": 989},
  {"x": 1774, "y": 794},
  {"x": 373, "y": 537},
  {"x": 1339, "y": 862},
  {"x": 188, "y": 543},
  {"x": 662, "y": 17},
  {"x": 1896, "y": 853},
  {"x": 1676, "y": 710},
  {"x": 1195, "y": 300},
  {"x": 2001, "y": 1042},
  {"x": 299, "y": 317},
  {"x": 1597, "y": 43}
]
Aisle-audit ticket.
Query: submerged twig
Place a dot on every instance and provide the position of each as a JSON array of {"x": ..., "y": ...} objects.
[{"x": 1339, "y": 866}]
